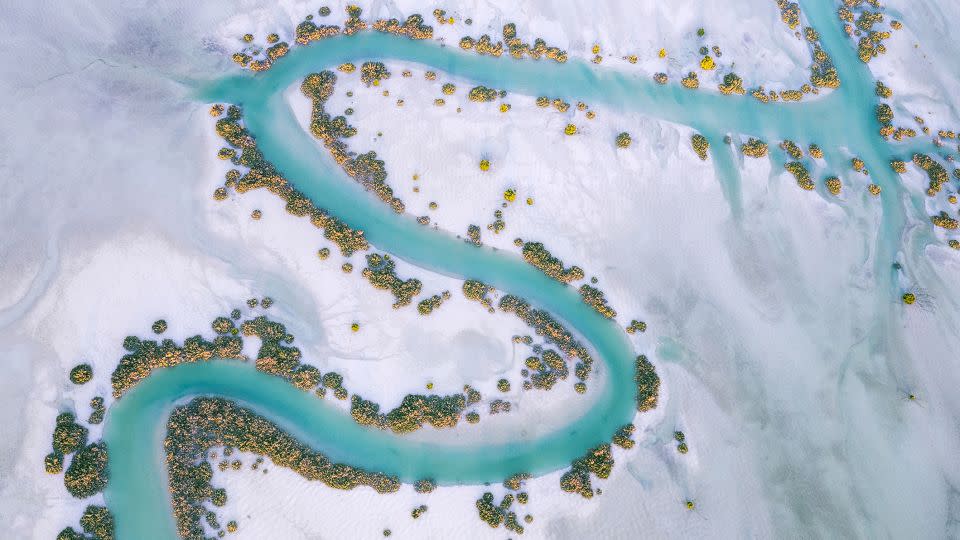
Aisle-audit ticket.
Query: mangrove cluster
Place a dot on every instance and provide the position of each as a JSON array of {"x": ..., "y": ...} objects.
[{"x": 206, "y": 423}]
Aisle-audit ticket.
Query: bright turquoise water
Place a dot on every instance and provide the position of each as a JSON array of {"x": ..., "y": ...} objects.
[{"x": 137, "y": 493}]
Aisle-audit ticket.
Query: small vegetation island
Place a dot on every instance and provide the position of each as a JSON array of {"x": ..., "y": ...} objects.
[
  {"x": 96, "y": 523},
  {"x": 381, "y": 273},
  {"x": 754, "y": 148},
  {"x": 700, "y": 145},
  {"x": 81, "y": 374}
]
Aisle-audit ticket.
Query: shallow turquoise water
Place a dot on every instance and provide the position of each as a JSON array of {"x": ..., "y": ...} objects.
[{"x": 137, "y": 492}]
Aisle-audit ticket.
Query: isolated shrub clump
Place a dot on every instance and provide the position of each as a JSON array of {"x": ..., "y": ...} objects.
[
  {"x": 81, "y": 374},
  {"x": 700, "y": 145}
]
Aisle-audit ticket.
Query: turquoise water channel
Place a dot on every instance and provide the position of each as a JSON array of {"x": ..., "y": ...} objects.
[{"x": 137, "y": 493}]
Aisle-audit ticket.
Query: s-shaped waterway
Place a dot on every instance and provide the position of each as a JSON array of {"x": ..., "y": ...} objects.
[{"x": 137, "y": 493}]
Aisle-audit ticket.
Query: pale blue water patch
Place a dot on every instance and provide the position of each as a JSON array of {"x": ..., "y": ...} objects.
[
  {"x": 669, "y": 350},
  {"x": 137, "y": 492},
  {"x": 727, "y": 171}
]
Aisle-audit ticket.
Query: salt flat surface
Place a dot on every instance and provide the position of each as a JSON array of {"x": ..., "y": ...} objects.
[{"x": 797, "y": 426}]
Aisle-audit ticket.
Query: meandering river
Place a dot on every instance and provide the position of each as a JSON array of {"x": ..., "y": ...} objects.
[{"x": 135, "y": 427}]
